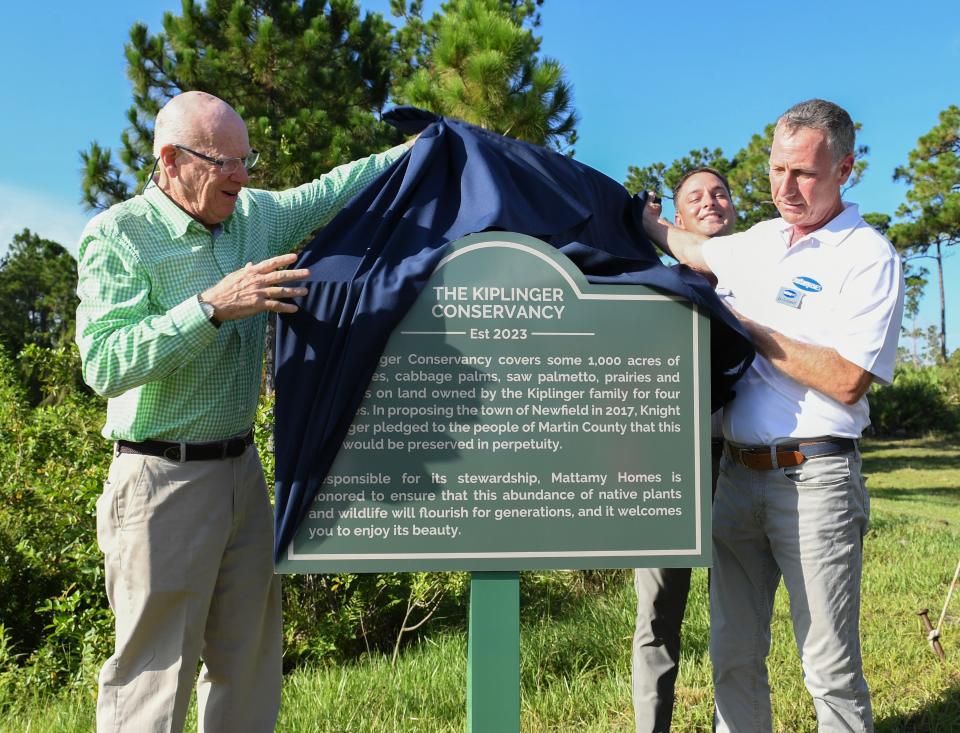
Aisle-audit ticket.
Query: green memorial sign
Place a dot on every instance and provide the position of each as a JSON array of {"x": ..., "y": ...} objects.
[{"x": 522, "y": 418}]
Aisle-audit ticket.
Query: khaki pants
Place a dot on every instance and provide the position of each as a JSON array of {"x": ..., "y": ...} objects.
[{"x": 189, "y": 575}]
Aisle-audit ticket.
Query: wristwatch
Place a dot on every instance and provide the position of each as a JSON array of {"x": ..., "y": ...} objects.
[{"x": 208, "y": 310}]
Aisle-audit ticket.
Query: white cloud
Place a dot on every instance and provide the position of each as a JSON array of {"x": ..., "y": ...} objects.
[{"x": 53, "y": 218}]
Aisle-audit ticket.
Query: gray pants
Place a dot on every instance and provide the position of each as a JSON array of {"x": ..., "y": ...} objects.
[
  {"x": 661, "y": 602},
  {"x": 805, "y": 524}
]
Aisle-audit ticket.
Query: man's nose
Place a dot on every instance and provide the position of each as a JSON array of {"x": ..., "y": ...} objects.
[
  {"x": 789, "y": 182},
  {"x": 240, "y": 175}
]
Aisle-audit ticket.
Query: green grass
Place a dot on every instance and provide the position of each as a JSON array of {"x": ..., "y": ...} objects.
[{"x": 575, "y": 656}]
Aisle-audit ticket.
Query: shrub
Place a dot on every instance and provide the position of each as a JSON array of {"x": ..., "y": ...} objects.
[
  {"x": 52, "y": 465},
  {"x": 58, "y": 626},
  {"x": 337, "y": 616},
  {"x": 921, "y": 400}
]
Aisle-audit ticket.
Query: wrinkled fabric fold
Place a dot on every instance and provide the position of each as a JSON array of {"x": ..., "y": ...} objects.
[{"x": 370, "y": 263}]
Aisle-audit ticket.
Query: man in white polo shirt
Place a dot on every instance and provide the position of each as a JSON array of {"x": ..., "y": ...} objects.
[{"x": 821, "y": 294}]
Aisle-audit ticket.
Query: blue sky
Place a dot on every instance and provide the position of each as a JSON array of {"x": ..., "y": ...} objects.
[{"x": 651, "y": 81}]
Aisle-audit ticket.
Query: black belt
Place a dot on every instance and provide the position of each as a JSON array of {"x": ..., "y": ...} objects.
[
  {"x": 787, "y": 455},
  {"x": 181, "y": 452}
]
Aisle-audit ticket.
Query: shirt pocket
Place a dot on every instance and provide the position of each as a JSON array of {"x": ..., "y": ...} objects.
[{"x": 181, "y": 276}]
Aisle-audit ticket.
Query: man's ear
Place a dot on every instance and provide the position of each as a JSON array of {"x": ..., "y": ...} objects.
[
  {"x": 168, "y": 161},
  {"x": 846, "y": 168},
  {"x": 678, "y": 221}
]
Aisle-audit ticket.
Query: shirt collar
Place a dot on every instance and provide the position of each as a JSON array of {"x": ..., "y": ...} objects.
[
  {"x": 176, "y": 219},
  {"x": 833, "y": 233}
]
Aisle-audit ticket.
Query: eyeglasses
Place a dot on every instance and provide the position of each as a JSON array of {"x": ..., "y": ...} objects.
[{"x": 228, "y": 166}]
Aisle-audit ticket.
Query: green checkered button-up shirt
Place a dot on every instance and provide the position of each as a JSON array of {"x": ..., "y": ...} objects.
[{"x": 145, "y": 343}]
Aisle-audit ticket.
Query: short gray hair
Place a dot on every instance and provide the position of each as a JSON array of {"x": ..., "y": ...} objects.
[
  {"x": 169, "y": 129},
  {"x": 833, "y": 120}
]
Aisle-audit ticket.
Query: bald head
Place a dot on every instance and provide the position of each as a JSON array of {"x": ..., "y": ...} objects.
[
  {"x": 195, "y": 119},
  {"x": 194, "y": 133}
]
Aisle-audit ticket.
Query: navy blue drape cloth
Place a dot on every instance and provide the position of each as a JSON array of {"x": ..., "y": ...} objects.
[{"x": 369, "y": 264}]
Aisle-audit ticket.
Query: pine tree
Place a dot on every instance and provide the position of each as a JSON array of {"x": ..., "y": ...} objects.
[
  {"x": 308, "y": 78},
  {"x": 38, "y": 301},
  {"x": 478, "y": 61},
  {"x": 932, "y": 208}
]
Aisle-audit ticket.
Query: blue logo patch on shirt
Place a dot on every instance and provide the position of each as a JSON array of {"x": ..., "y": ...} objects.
[
  {"x": 807, "y": 283},
  {"x": 786, "y": 296}
]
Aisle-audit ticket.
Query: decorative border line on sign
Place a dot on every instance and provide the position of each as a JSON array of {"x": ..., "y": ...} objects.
[{"x": 695, "y": 550}]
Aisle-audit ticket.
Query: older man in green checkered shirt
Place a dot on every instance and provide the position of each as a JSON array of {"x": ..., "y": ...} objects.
[{"x": 174, "y": 290}]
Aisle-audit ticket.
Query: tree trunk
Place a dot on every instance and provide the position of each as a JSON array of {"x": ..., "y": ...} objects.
[{"x": 943, "y": 307}]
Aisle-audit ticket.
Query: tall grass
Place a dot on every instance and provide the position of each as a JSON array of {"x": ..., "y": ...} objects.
[{"x": 575, "y": 666}]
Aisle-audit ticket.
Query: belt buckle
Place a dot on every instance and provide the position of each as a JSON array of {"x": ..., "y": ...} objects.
[
  {"x": 178, "y": 454},
  {"x": 746, "y": 458}
]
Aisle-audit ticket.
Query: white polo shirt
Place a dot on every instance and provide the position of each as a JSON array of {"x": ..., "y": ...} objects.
[{"x": 841, "y": 287}]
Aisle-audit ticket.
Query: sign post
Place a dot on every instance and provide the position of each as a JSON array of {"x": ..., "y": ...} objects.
[
  {"x": 521, "y": 418},
  {"x": 493, "y": 664}
]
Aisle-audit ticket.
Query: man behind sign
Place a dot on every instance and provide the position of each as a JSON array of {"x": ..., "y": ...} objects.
[
  {"x": 821, "y": 294},
  {"x": 703, "y": 204},
  {"x": 174, "y": 289}
]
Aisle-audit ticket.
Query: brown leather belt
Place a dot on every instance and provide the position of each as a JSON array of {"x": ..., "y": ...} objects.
[
  {"x": 181, "y": 452},
  {"x": 787, "y": 455}
]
